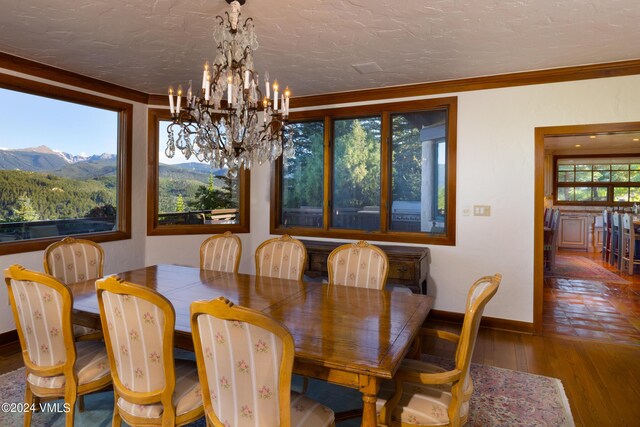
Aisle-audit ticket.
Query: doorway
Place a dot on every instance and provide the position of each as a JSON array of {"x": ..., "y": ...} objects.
[{"x": 577, "y": 303}]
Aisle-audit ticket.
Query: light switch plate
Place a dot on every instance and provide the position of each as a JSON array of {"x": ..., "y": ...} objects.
[
  {"x": 481, "y": 210},
  {"x": 466, "y": 211}
]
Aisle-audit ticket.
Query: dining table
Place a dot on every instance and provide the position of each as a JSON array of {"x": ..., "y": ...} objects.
[{"x": 354, "y": 337}]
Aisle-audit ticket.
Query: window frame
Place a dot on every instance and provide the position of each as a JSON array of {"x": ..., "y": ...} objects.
[
  {"x": 155, "y": 116},
  {"x": 123, "y": 174},
  {"x": 384, "y": 234},
  {"x": 606, "y": 184}
]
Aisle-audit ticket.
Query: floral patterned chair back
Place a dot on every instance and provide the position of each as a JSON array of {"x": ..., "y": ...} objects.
[
  {"x": 244, "y": 365},
  {"x": 221, "y": 253},
  {"x": 55, "y": 367},
  {"x": 358, "y": 264},
  {"x": 74, "y": 260},
  {"x": 283, "y": 257},
  {"x": 43, "y": 311}
]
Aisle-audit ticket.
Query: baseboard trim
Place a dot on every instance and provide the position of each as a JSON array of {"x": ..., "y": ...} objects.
[
  {"x": 487, "y": 322},
  {"x": 9, "y": 337}
]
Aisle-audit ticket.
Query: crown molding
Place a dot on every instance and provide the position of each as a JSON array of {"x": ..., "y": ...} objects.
[{"x": 37, "y": 69}]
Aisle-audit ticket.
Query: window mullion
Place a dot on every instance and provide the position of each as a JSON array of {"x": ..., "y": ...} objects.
[
  {"x": 385, "y": 172},
  {"x": 327, "y": 176}
]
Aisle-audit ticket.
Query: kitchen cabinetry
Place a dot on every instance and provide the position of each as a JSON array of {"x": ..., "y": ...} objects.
[{"x": 574, "y": 231}]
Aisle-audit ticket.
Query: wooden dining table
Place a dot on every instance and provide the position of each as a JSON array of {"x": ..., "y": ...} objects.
[{"x": 353, "y": 337}]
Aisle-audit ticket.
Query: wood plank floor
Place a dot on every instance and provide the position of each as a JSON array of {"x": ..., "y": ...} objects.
[{"x": 602, "y": 380}]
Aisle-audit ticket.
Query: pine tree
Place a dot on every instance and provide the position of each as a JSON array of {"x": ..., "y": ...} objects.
[
  {"x": 25, "y": 211},
  {"x": 179, "y": 203}
]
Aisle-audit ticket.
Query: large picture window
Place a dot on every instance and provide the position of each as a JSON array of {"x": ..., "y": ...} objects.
[
  {"x": 189, "y": 197},
  {"x": 598, "y": 180},
  {"x": 376, "y": 172},
  {"x": 64, "y": 166}
]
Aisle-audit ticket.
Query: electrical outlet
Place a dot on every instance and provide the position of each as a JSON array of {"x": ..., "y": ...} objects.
[
  {"x": 466, "y": 211},
  {"x": 481, "y": 210}
]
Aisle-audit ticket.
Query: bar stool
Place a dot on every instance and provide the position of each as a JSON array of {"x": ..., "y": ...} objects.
[
  {"x": 629, "y": 254},
  {"x": 616, "y": 240},
  {"x": 606, "y": 235}
]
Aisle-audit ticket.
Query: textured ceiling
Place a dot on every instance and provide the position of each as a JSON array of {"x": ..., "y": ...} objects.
[{"x": 311, "y": 45}]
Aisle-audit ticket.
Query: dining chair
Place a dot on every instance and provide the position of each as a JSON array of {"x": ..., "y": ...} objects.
[
  {"x": 245, "y": 363},
  {"x": 75, "y": 260},
  {"x": 629, "y": 256},
  {"x": 149, "y": 386},
  {"x": 427, "y": 394},
  {"x": 221, "y": 253},
  {"x": 56, "y": 366},
  {"x": 358, "y": 264},
  {"x": 282, "y": 257}
]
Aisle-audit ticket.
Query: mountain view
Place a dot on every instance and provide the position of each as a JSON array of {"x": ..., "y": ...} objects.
[{"x": 41, "y": 183}]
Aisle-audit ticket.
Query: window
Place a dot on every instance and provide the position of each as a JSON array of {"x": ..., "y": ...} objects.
[
  {"x": 597, "y": 180},
  {"x": 64, "y": 166},
  {"x": 374, "y": 172},
  {"x": 189, "y": 197}
]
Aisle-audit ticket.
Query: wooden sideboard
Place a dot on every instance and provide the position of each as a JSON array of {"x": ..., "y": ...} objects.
[{"x": 408, "y": 266}]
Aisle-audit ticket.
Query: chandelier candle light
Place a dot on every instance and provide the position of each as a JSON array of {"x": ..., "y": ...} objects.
[{"x": 227, "y": 133}]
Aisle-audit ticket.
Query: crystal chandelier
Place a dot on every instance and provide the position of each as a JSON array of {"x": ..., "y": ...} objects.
[{"x": 228, "y": 133}]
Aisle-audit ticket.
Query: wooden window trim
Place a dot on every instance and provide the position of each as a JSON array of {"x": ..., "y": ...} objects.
[
  {"x": 155, "y": 229},
  {"x": 384, "y": 110},
  {"x": 125, "y": 144},
  {"x": 610, "y": 185}
]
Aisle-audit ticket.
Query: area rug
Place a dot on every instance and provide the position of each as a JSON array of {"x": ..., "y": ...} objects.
[
  {"x": 502, "y": 397},
  {"x": 577, "y": 267}
]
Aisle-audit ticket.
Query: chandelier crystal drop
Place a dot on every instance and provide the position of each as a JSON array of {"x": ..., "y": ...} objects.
[{"x": 221, "y": 126}]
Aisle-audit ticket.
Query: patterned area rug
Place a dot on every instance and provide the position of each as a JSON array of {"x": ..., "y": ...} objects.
[
  {"x": 577, "y": 267},
  {"x": 502, "y": 397}
]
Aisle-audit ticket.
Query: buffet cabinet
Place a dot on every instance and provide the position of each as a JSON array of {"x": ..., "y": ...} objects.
[{"x": 408, "y": 266}]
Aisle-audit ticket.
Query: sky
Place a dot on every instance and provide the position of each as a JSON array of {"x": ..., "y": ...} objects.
[{"x": 29, "y": 121}]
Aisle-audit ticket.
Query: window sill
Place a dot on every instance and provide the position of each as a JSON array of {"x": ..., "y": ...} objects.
[{"x": 20, "y": 246}]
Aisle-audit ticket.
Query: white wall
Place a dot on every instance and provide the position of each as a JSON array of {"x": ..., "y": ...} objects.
[
  {"x": 495, "y": 167},
  {"x": 119, "y": 256}
]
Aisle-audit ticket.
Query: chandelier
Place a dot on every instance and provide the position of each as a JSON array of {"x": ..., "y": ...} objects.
[{"x": 227, "y": 132}]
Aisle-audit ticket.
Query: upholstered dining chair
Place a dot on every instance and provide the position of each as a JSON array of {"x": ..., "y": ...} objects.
[
  {"x": 75, "y": 260},
  {"x": 428, "y": 395},
  {"x": 150, "y": 387},
  {"x": 282, "y": 257},
  {"x": 221, "y": 253},
  {"x": 56, "y": 365},
  {"x": 245, "y": 363},
  {"x": 358, "y": 264}
]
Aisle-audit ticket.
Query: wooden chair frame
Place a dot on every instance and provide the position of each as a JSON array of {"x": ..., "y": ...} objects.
[
  {"x": 70, "y": 241},
  {"x": 226, "y": 234},
  {"x": 360, "y": 244},
  {"x": 285, "y": 238},
  {"x": 117, "y": 286},
  {"x": 224, "y": 309},
  {"x": 71, "y": 389},
  {"x": 410, "y": 370}
]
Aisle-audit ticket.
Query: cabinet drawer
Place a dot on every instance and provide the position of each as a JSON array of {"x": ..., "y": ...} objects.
[{"x": 402, "y": 271}]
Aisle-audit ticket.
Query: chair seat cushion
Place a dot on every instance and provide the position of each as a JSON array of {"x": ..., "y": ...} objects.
[
  {"x": 91, "y": 365},
  {"x": 307, "y": 412},
  {"x": 420, "y": 404},
  {"x": 187, "y": 394}
]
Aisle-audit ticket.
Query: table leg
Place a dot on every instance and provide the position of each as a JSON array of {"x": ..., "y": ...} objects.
[{"x": 369, "y": 389}]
